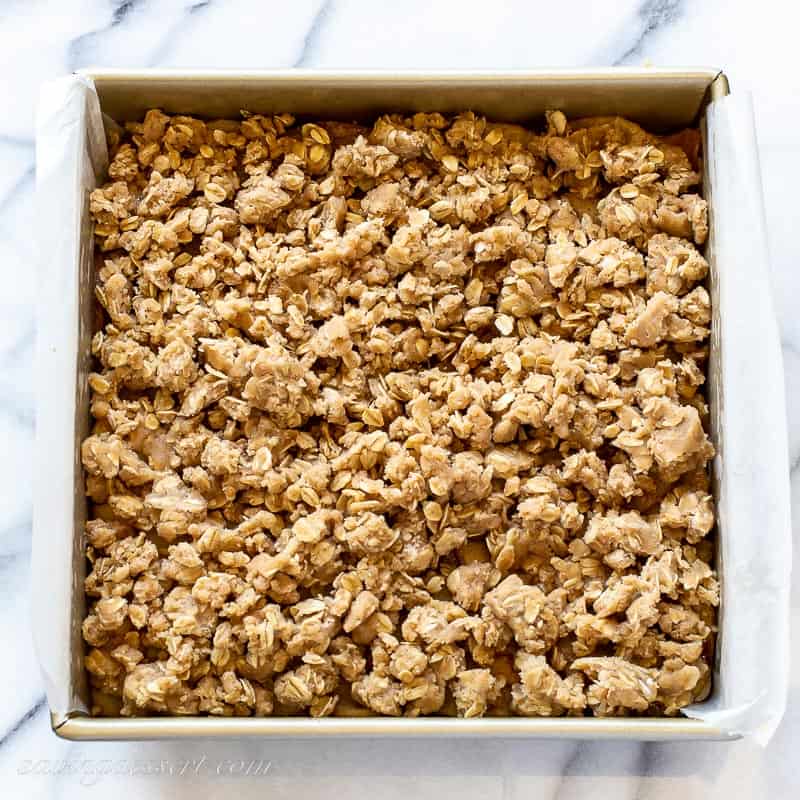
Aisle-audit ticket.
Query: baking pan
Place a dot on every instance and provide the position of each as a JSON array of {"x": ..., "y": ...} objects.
[{"x": 660, "y": 99}]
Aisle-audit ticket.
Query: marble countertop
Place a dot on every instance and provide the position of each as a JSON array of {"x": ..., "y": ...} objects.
[{"x": 40, "y": 39}]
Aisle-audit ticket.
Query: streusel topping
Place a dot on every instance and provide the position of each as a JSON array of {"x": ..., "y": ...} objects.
[{"x": 404, "y": 419}]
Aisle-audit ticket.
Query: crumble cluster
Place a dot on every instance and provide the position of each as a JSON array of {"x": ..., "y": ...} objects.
[{"x": 404, "y": 419}]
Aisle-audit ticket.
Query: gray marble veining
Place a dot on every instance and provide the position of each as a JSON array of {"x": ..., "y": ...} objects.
[{"x": 41, "y": 39}]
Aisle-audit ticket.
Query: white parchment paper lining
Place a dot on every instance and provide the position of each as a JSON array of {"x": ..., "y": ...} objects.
[
  {"x": 751, "y": 468},
  {"x": 752, "y": 463}
]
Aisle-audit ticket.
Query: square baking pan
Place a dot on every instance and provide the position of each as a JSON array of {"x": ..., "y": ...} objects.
[{"x": 745, "y": 373}]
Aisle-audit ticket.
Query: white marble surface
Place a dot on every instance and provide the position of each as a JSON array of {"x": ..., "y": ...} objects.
[{"x": 754, "y": 42}]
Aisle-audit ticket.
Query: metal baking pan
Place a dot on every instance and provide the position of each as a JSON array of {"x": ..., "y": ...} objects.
[{"x": 660, "y": 99}]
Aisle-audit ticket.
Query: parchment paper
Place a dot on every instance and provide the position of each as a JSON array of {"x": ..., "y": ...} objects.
[
  {"x": 71, "y": 159},
  {"x": 752, "y": 463}
]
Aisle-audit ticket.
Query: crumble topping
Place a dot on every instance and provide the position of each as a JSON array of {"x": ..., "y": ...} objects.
[{"x": 399, "y": 419}]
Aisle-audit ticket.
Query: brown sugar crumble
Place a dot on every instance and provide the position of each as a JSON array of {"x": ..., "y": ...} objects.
[{"x": 404, "y": 419}]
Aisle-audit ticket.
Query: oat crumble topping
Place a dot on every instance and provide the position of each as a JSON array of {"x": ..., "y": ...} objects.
[{"x": 404, "y": 419}]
